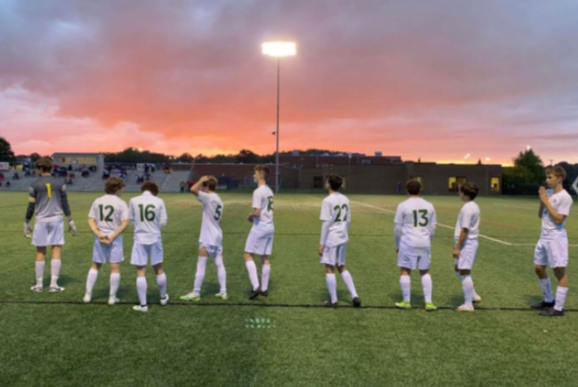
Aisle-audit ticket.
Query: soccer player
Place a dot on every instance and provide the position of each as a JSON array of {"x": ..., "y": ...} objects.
[
  {"x": 466, "y": 244},
  {"x": 148, "y": 215},
  {"x": 415, "y": 224},
  {"x": 49, "y": 199},
  {"x": 336, "y": 219},
  {"x": 211, "y": 239},
  {"x": 552, "y": 248},
  {"x": 260, "y": 239},
  {"x": 107, "y": 219}
]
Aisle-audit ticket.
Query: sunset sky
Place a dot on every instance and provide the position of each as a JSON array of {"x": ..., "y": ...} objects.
[{"x": 430, "y": 79}]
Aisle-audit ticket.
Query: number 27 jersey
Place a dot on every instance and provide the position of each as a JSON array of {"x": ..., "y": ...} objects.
[
  {"x": 109, "y": 211},
  {"x": 211, "y": 233}
]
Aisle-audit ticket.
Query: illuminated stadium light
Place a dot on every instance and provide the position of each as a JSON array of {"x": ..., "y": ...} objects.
[
  {"x": 488, "y": 159},
  {"x": 279, "y": 49},
  {"x": 528, "y": 147}
]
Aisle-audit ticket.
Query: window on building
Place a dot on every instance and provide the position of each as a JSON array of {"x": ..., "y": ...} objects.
[
  {"x": 495, "y": 182},
  {"x": 453, "y": 184}
]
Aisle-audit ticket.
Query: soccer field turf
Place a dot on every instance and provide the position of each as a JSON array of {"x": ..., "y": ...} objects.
[{"x": 53, "y": 339}]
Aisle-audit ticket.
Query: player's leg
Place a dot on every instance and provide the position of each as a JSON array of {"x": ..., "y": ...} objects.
[
  {"x": 221, "y": 274},
  {"x": 331, "y": 285},
  {"x": 468, "y": 289},
  {"x": 141, "y": 288},
  {"x": 114, "y": 282},
  {"x": 340, "y": 254},
  {"x": 55, "y": 265},
  {"x": 39, "y": 269},
  {"x": 202, "y": 259},
  {"x": 559, "y": 257},
  {"x": 426, "y": 282},
  {"x": 161, "y": 283},
  {"x": 540, "y": 264},
  {"x": 265, "y": 273},
  {"x": 253, "y": 277},
  {"x": 91, "y": 280},
  {"x": 405, "y": 284}
]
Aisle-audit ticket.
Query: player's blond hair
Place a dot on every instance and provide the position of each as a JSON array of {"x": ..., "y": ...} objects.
[{"x": 557, "y": 171}]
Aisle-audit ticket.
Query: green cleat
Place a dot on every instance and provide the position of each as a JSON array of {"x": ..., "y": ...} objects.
[
  {"x": 191, "y": 297},
  {"x": 403, "y": 305},
  {"x": 222, "y": 296},
  {"x": 430, "y": 307}
]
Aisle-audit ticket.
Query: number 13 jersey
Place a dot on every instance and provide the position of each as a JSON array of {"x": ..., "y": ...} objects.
[
  {"x": 415, "y": 223},
  {"x": 211, "y": 233}
]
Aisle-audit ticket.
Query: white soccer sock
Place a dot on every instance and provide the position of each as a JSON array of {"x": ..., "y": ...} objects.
[
  {"x": 332, "y": 287},
  {"x": 468, "y": 287},
  {"x": 427, "y": 285},
  {"x": 405, "y": 283},
  {"x": 55, "y": 269},
  {"x": 349, "y": 283},
  {"x": 114, "y": 283},
  {"x": 266, "y": 271},
  {"x": 91, "y": 280},
  {"x": 560, "y": 297},
  {"x": 39, "y": 272},
  {"x": 222, "y": 274},
  {"x": 547, "y": 289},
  {"x": 460, "y": 277},
  {"x": 252, "y": 269},
  {"x": 162, "y": 284},
  {"x": 141, "y": 287},
  {"x": 200, "y": 275}
]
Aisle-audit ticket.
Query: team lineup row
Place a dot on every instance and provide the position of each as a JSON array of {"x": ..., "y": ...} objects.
[{"x": 415, "y": 224}]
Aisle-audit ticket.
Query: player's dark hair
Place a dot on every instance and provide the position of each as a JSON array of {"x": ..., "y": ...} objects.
[
  {"x": 113, "y": 185},
  {"x": 335, "y": 181},
  {"x": 413, "y": 187},
  {"x": 263, "y": 170},
  {"x": 470, "y": 190},
  {"x": 557, "y": 171},
  {"x": 44, "y": 165},
  {"x": 211, "y": 183},
  {"x": 150, "y": 186}
]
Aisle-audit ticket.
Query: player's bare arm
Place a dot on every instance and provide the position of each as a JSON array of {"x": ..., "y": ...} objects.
[
  {"x": 458, "y": 247},
  {"x": 197, "y": 186},
  {"x": 545, "y": 204},
  {"x": 254, "y": 214}
]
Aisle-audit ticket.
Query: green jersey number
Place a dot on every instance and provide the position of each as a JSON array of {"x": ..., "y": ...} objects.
[
  {"x": 270, "y": 203},
  {"x": 339, "y": 210},
  {"x": 108, "y": 217},
  {"x": 147, "y": 213},
  {"x": 420, "y": 222},
  {"x": 218, "y": 212}
]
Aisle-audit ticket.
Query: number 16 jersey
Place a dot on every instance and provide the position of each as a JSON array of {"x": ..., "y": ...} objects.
[
  {"x": 109, "y": 211},
  {"x": 211, "y": 233},
  {"x": 148, "y": 215}
]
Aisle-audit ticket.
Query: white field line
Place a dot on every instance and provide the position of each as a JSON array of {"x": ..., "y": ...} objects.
[
  {"x": 534, "y": 244},
  {"x": 439, "y": 224},
  {"x": 516, "y": 206}
]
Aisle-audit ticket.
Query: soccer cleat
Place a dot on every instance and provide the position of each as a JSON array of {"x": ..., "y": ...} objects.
[
  {"x": 140, "y": 308},
  {"x": 265, "y": 293},
  {"x": 477, "y": 299},
  {"x": 403, "y": 305},
  {"x": 55, "y": 289},
  {"x": 551, "y": 312},
  {"x": 191, "y": 297},
  {"x": 430, "y": 307},
  {"x": 465, "y": 308},
  {"x": 329, "y": 304},
  {"x": 222, "y": 296},
  {"x": 255, "y": 294},
  {"x": 164, "y": 301},
  {"x": 87, "y": 298},
  {"x": 356, "y": 302},
  {"x": 543, "y": 305},
  {"x": 37, "y": 288},
  {"x": 113, "y": 300}
]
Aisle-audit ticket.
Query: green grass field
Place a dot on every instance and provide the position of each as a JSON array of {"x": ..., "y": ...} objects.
[{"x": 55, "y": 340}]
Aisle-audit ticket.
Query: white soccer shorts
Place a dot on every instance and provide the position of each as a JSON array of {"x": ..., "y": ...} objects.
[
  {"x": 468, "y": 254},
  {"x": 141, "y": 253},
  {"x": 412, "y": 262},
  {"x": 48, "y": 234},
  {"x": 259, "y": 242},
  {"x": 552, "y": 253},
  {"x": 334, "y": 255},
  {"x": 214, "y": 251},
  {"x": 113, "y": 253}
]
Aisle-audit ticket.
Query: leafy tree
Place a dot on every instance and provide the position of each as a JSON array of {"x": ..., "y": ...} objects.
[
  {"x": 533, "y": 164},
  {"x": 6, "y": 153},
  {"x": 186, "y": 158}
]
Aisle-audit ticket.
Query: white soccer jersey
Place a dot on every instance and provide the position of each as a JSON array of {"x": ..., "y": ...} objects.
[
  {"x": 109, "y": 211},
  {"x": 469, "y": 218},
  {"x": 415, "y": 224},
  {"x": 148, "y": 215},
  {"x": 263, "y": 200},
  {"x": 211, "y": 233},
  {"x": 336, "y": 211},
  {"x": 562, "y": 203}
]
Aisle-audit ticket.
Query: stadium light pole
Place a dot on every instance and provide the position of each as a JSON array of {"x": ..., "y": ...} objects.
[{"x": 278, "y": 50}]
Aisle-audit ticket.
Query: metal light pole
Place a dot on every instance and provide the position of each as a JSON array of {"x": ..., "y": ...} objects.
[{"x": 278, "y": 50}]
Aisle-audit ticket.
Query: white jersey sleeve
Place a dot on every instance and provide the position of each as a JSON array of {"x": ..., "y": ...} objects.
[{"x": 163, "y": 212}]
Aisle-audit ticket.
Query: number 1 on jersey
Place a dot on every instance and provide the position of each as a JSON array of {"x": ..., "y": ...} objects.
[{"x": 49, "y": 190}]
